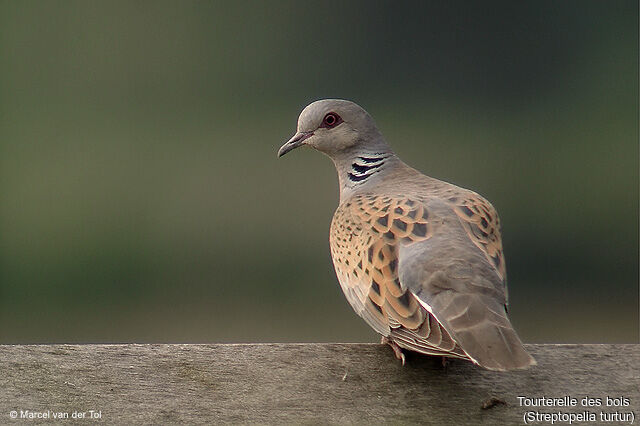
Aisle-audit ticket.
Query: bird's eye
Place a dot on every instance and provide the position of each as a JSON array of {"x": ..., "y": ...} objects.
[{"x": 331, "y": 120}]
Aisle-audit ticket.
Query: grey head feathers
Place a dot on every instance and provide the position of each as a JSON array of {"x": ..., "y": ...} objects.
[{"x": 347, "y": 134}]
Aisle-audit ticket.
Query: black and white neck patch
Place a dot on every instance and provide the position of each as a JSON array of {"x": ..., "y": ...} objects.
[{"x": 365, "y": 166}]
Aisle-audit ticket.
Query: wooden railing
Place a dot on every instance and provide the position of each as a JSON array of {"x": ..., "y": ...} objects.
[{"x": 309, "y": 383}]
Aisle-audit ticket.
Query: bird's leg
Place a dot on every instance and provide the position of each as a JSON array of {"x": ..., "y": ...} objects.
[
  {"x": 396, "y": 349},
  {"x": 445, "y": 362}
]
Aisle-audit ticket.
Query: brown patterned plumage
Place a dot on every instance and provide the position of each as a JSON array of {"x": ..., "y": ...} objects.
[{"x": 420, "y": 260}]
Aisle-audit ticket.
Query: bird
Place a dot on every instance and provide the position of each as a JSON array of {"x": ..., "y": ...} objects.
[{"x": 419, "y": 259}]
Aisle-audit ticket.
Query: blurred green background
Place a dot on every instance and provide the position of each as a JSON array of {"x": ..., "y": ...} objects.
[{"x": 141, "y": 199}]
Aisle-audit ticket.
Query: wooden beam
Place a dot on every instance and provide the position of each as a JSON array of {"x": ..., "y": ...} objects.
[{"x": 310, "y": 383}]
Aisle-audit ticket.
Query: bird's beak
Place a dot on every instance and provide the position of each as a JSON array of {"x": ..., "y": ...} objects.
[{"x": 295, "y": 141}]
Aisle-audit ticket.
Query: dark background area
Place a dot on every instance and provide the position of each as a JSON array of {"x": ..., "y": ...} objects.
[{"x": 142, "y": 200}]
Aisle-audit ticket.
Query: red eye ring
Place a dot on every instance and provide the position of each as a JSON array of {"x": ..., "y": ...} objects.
[{"x": 331, "y": 120}]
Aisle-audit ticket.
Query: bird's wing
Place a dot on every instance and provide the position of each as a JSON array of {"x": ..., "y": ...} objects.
[
  {"x": 366, "y": 233},
  {"x": 458, "y": 276},
  {"x": 482, "y": 224}
]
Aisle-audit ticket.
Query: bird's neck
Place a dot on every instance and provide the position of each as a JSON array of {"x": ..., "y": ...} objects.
[{"x": 359, "y": 168}]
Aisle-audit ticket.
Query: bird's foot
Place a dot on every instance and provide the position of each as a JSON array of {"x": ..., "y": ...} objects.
[
  {"x": 396, "y": 349},
  {"x": 445, "y": 363}
]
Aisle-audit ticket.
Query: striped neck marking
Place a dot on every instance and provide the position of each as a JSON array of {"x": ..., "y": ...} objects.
[{"x": 364, "y": 167}]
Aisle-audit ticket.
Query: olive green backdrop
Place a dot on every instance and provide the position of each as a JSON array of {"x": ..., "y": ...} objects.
[{"x": 141, "y": 199}]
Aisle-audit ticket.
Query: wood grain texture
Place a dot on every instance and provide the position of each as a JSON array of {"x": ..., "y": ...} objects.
[{"x": 294, "y": 383}]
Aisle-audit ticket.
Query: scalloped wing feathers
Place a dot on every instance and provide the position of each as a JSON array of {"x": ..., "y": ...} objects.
[{"x": 428, "y": 272}]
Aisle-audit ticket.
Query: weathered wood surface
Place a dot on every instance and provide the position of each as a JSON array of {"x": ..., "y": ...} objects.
[{"x": 300, "y": 383}]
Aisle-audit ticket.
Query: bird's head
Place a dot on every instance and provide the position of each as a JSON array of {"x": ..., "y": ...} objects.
[{"x": 333, "y": 126}]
